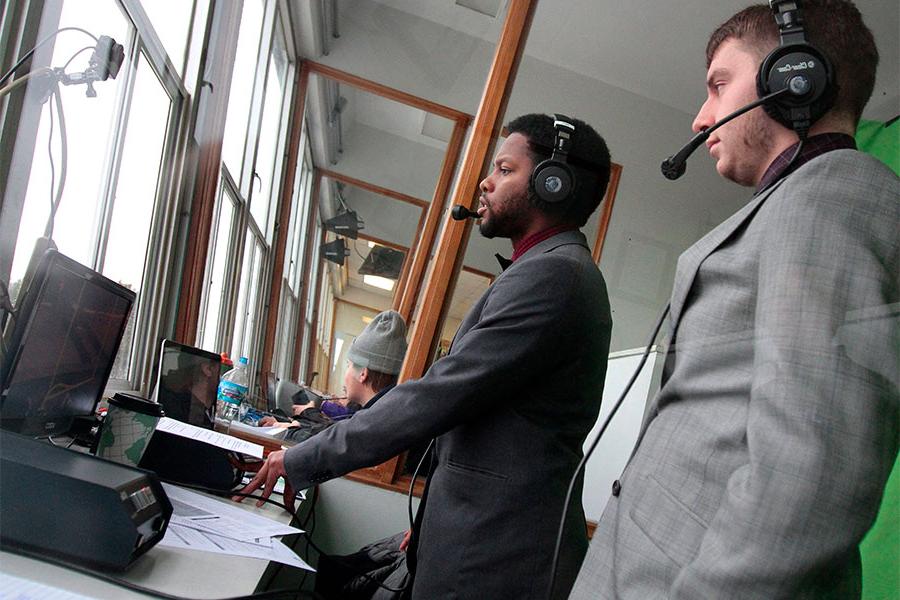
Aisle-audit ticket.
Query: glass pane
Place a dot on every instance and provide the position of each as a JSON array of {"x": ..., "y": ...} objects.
[
  {"x": 171, "y": 20},
  {"x": 262, "y": 198},
  {"x": 217, "y": 275},
  {"x": 240, "y": 316},
  {"x": 470, "y": 285},
  {"x": 241, "y": 91},
  {"x": 302, "y": 239},
  {"x": 89, "y": 125},
  {"x": 135, "y": 195},
  {"x": 252, "y": 311},
  {"x": 137, "y": 183},
  {"x": 291, "y": 231},
  {"x": 284, "y": 350},
  {"x": 247, "y": 313}
]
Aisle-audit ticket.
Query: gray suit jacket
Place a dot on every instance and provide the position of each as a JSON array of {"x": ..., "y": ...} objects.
[
  {"x": 511, "y": 405},
  {"x": 762, "y": 460}
]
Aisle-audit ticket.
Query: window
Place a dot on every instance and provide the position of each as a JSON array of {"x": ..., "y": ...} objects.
[
  {"x": 241, "y": 90},
  {"x": 239, "y": 270},
  {"x": 218, "y": 269},
  {"x": 121, "y": 164},
  {"x": 171, "y": 20},
  {"x": 295, "y": 251}
]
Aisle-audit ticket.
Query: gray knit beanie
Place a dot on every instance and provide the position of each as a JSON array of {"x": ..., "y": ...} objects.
[{"x": 382, "y": 344}]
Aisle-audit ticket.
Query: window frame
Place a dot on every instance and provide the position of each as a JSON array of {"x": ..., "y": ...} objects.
[{"x": 254, "y": 318}]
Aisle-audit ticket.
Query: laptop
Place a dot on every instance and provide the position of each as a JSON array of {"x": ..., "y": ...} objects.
[
  {"x": 186, "y": 388},
  {"x": 187, "y": 383}
]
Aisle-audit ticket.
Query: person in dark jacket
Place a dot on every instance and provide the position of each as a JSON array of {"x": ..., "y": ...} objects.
[
  {"x": 513, "y": 401},
  {"x": 373, "y": 364}
]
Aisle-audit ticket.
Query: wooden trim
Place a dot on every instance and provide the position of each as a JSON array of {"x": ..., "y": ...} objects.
[
  {"x": 432, "y": 219},
  {"x": 226, "y": 19},
  {"x": 609, "y": 199},
  {"x": 389, "y": 92},
  {"x": 484, "y": 274},
  {"x": 357, "y": 305},
  {"x": 370, "y": 476},
  {"x": 376, "y": 189},
  {"x": 284, "y": 216},
  {"x": 591, "y": 527},
  {"x": 309, "y": 256},
  {"x": 381, "y": 242},
  {"x": 451, "y": 245}
]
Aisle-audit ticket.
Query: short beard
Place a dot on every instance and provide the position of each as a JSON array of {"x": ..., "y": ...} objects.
[
  {"x": 510, "y": 221},
  {"x": 757, "y": 140}
]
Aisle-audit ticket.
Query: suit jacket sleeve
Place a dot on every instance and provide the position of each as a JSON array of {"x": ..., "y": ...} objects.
[
  {"x": 520, "y": 332},
  {"x": 822, "y": 422}
]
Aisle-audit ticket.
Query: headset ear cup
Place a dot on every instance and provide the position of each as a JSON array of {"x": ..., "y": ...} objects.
[
  {"x": 552, "y": 181},
  {"x": 780, "y": 67}
]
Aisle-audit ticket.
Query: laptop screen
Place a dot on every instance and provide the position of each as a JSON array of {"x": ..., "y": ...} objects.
[{"x": 188, "y": 380}]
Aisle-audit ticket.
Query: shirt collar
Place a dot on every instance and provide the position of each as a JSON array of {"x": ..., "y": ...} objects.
[
  {"x": 814, "y": 146},
  {"x": 532, "y": 240},
  {"x": 378, "y": 395}
]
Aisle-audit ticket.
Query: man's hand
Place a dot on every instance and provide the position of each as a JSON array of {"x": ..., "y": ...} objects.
[
  {"x": 404, "y": 543},
  {"x": 267, "y": 476}
]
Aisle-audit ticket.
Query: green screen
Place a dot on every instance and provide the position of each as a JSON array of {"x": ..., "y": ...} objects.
[{"x": 880, "y": 548}]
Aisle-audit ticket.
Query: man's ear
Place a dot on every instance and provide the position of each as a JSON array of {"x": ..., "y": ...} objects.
[{"x": 363, "y": 375}]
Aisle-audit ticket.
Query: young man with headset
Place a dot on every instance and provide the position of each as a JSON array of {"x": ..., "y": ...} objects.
[
  {"x": 511, "y": 404},
  {"x": 763, "y": 458}
]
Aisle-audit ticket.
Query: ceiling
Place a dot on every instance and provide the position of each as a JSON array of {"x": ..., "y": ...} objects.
[{"x": 651, "y": 48}]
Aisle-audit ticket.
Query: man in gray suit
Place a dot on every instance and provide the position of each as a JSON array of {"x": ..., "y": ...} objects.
[
  {"x": 762, "y": 460},
  {"x": 513, "y": 401}
]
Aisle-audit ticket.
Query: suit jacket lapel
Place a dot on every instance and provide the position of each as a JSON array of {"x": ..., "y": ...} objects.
[
  {"x": 688, "y": 265},
  {"x": 689, "y": 262},
  {"x": 560, "y": 239}
]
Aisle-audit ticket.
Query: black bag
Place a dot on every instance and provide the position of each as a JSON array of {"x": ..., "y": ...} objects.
[{"x": 376, "y": 572}]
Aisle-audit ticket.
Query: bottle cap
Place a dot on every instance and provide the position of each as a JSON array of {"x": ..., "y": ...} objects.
[{"x": 244, "y": 360}]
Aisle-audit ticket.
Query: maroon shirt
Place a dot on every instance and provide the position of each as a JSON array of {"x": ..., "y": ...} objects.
[
  {"x": 815, "y": 146},
  {"x": 524, "y": 245}
]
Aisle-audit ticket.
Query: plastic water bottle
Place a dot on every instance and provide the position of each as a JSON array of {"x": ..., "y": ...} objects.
[{"x": 233, "y": 391}]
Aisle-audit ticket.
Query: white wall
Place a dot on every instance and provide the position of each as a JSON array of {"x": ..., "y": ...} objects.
[
  {"x": 613, "y": 450},
  {"x": 350, "y": 515}
]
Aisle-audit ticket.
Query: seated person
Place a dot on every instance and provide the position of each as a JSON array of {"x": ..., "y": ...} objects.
[{"x": 374, "y": 360}]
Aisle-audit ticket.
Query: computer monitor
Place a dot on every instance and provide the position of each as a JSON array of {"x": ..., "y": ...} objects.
[
  {"x": 59, "y": 349},
  {"x": 187, "y": 383}
]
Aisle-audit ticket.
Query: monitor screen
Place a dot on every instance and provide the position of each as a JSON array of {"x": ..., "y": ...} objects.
[
  {"x": 188, "y": 381},
  {"x": 61, "y": 345}
]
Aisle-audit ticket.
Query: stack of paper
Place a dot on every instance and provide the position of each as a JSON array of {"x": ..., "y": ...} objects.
[{"x": 202, "y": 523}]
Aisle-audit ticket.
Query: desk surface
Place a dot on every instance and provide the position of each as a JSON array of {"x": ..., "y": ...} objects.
[
  {"x": 189, "y": 573},
  {"x": 172, "y": 570}
]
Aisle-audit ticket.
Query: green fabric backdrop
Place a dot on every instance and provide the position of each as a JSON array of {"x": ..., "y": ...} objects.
[{"x": 880, "y": 548}]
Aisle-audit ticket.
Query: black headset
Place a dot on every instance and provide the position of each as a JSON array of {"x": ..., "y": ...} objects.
[
  {"x": 799, "y": 67},
  {"x": 552, "y": 179}
]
